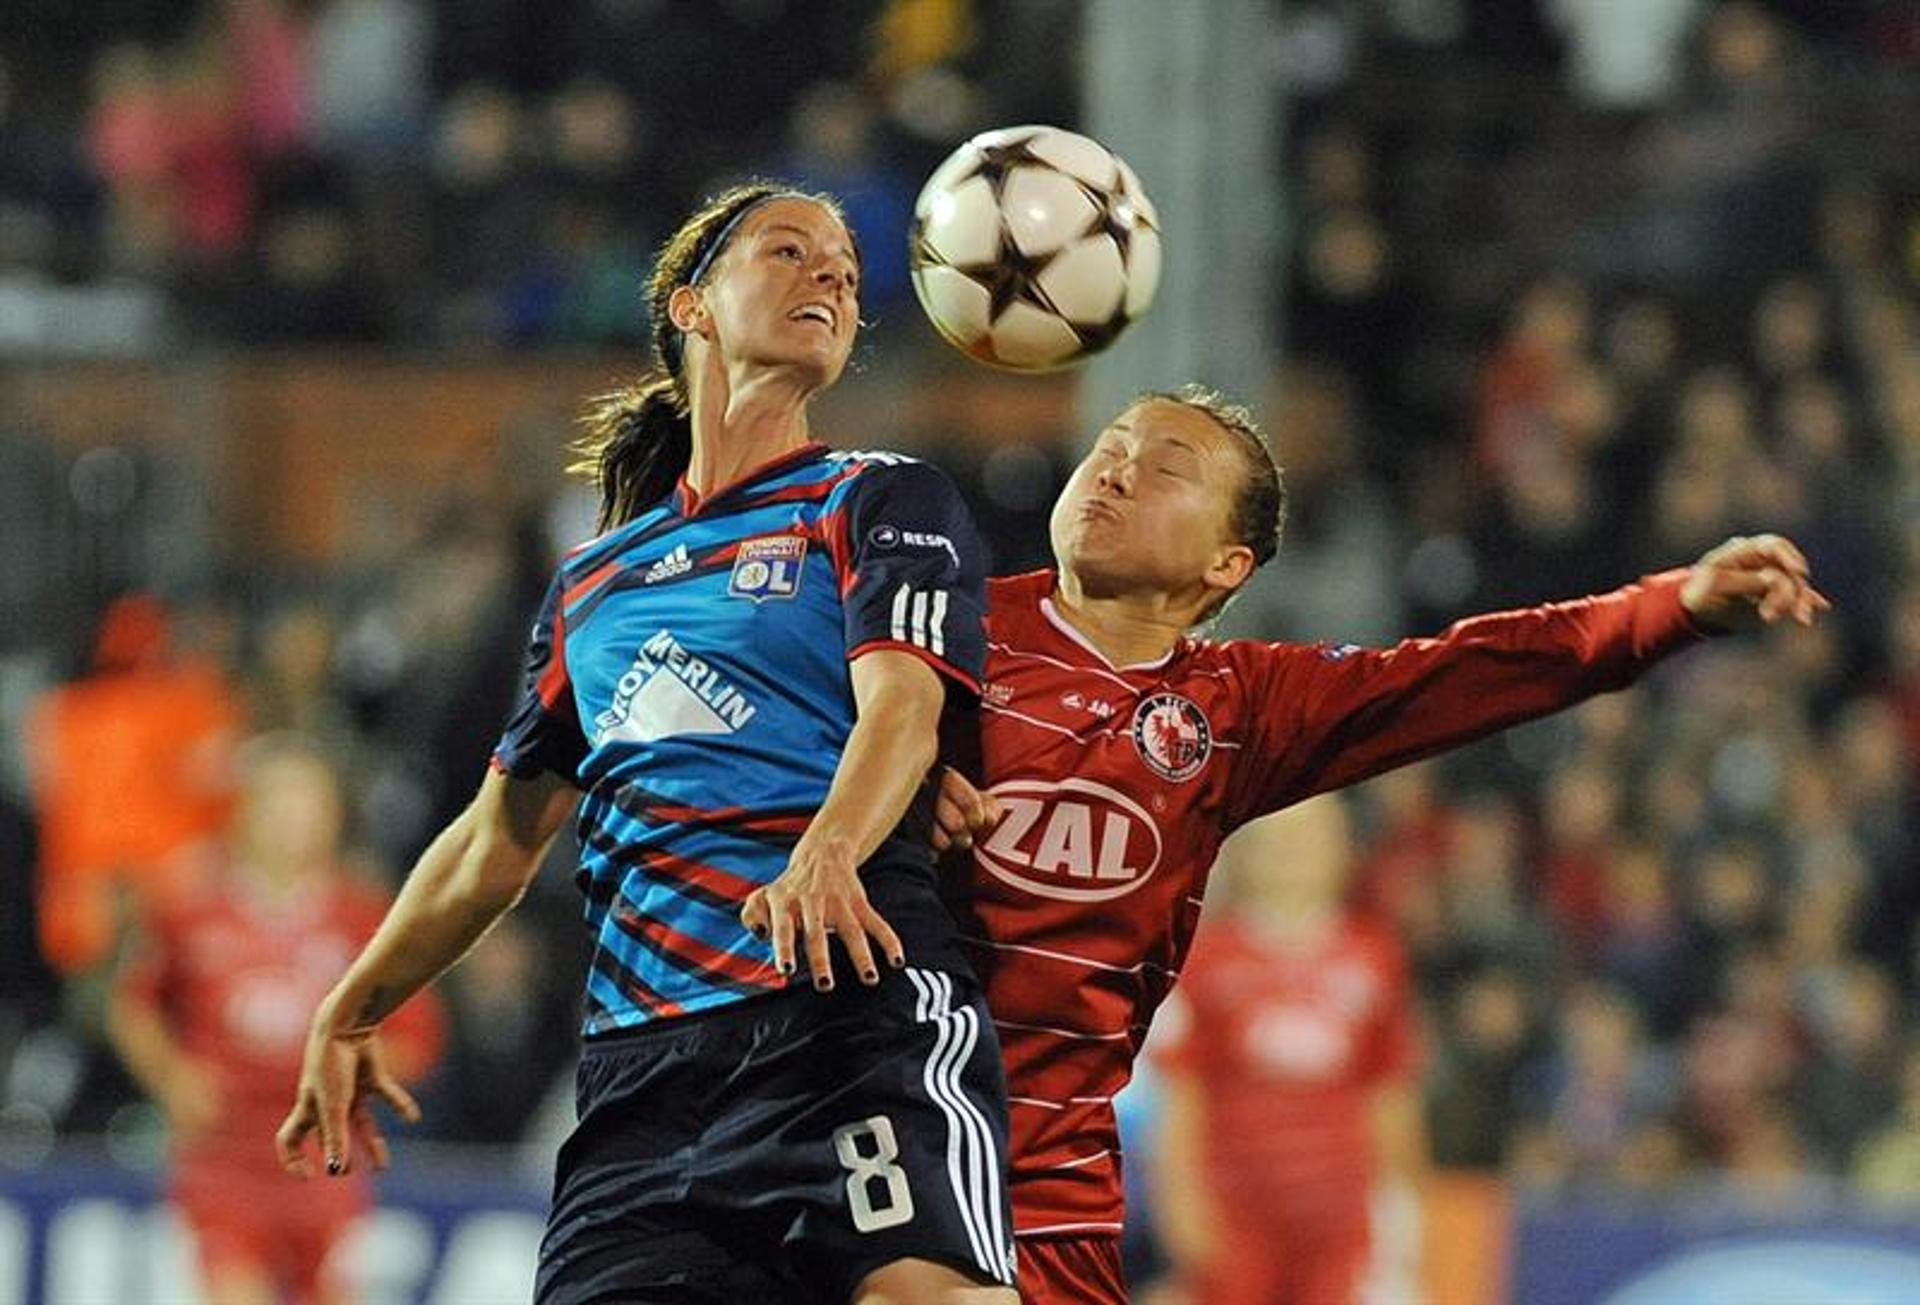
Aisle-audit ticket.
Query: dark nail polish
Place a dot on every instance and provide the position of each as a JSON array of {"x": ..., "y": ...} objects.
[{"x": 333, "y": 1164}]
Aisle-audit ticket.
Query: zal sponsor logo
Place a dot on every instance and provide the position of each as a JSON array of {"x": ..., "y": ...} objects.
[
  {"x": 768, "y": 567},
  {"x": 1074, "y": 840},
  {"x": 668, "y": 691}
]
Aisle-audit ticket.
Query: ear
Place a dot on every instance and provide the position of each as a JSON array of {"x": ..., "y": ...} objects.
[
  {"x": 687, "y": 310},
  {"x": 1231, "y": 566}
]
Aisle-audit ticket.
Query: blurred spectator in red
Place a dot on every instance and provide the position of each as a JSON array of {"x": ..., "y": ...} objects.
[
  {"x": 129, "y": 764},
  {"x": 266, "y": 46},
  {"x": 130, "y": 144},
  {"x": 212, "y": 168},
  {"x": 210, "y": 1016},
  {"x": 1546, "y": 343},
  {"x": 1582, "y": 808},
  {"x": 1290, "y": 1084},
  {"x": 1397, "y": 878}
]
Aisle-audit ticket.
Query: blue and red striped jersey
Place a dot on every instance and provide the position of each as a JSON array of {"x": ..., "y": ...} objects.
[{"x": 688, "y": 671}]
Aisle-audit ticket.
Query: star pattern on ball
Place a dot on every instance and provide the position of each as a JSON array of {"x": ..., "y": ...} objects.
[
  {"x": 1001, "y": 158},
  {"x": 1115, "y": 216},
  {"x": 1092, "y": 234}
]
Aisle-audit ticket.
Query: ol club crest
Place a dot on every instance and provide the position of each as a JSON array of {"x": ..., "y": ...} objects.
[{"x": 768, "y": 567}]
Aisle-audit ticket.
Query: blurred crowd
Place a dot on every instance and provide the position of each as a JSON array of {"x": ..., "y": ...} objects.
[
  {"x": 1565, "y": 307},
  {"x": 417, "y": 172}
]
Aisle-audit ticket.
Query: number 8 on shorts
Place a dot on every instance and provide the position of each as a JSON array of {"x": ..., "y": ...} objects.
[{"x": 867, "y": 1151}]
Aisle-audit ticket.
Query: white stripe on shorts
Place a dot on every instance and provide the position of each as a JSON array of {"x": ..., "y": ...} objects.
[{"x": 972, "y": 1165}]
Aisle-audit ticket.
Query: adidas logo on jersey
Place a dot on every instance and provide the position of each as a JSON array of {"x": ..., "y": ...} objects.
[{"x": 674, "y": 563}]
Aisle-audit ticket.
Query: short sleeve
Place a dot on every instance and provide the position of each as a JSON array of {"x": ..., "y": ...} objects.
[
  {"x": 913, "y": 571},
  {"x": 543, "y": 734}
]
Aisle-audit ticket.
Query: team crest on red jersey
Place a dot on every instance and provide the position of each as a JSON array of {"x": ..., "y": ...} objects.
[{"x": 1172, "y": 736}]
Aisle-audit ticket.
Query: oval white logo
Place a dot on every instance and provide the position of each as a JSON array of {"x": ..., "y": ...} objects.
[{"x": 1074, "y": 840}]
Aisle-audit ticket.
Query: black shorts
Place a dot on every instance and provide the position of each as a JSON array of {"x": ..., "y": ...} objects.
[{"x": 783, "y": 1148}]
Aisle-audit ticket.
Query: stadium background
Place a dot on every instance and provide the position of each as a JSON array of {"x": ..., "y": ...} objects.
[{"x": 298, "y": 300}]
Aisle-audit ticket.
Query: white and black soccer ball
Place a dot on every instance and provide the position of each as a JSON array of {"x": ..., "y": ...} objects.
[{"x": 1034, "y": 248}]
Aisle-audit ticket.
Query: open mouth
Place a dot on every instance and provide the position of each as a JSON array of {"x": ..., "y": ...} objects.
[{"x": 815, "y": 313}]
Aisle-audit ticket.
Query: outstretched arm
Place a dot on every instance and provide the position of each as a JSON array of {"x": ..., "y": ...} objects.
[
  {"x": 1339, "y": 716},
  {"x": 895, "y": 738},
  {"x": 469, "y": 876}
]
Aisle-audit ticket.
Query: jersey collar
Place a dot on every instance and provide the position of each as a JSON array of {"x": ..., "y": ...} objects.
[
  {"x": 688, "y": 503},
  {"x": 1065, "y": 627}
]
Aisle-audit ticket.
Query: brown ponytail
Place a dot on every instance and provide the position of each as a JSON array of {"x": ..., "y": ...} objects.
[{"x": 636, "y": 442}]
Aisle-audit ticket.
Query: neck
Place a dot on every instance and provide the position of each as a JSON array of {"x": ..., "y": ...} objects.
[
  {"x": 1127, "y": 628},
  {"x": 741, "y": 422},
  {"x": 275, "y": 875},
  {"x": 1291, "y": 917}
]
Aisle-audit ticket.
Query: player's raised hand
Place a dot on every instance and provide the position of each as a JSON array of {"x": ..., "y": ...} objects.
[
  {"x": 1752, "y": 580},
  {"x": 961, "y": 812},
  {"x": 341, "y": 1075},
  {"x": 819, "y": 894}
]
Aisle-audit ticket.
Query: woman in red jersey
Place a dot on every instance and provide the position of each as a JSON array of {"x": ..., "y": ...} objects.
[
  {"x": 1288, "y": 1076},
  {"x": 1118, "y": 750},
  {"x": 210, "y": 1016}
]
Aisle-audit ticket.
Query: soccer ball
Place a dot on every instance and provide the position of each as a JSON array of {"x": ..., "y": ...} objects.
[{"x": 1034, "y": 248}]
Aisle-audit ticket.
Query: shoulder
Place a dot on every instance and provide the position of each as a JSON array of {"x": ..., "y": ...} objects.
[
  {"x": 1254, "y": 659},
  {"x": 589, "y": 555},
  {"x": 863, "y": 473},
  {"x": 1019, "y": 591}
]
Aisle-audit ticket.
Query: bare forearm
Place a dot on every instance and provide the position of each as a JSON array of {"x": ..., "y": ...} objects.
[
  {"x": 451, "y": 899},
  {"x": 888, "y": 755}
]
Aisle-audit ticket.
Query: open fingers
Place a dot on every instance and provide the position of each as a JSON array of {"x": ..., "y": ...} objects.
[
  {"x": 852, "y": 931},
  {"x": 780, "y": 924},
  {"x": 874, "y": 925},
  {"x": 366, "y": 1130},
  {"x": 389, "y": 1090},
  {"x": 814, "y": 924},
  {"x": 335, "y": 1139},
  {"x": 1783, "y": 553},
  {"x": 950, "y": 826},
  {"x": 754, "y": 914},
  {"x": 290, "y": 1142}
]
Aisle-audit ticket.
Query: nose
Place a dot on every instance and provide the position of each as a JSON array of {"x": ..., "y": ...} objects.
[
  {"x": 834, "y": 275},
  {"x": 1115, "y": 477}
]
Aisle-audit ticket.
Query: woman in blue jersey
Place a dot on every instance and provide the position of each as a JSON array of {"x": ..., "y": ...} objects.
[{"x": 739, "y": 685}]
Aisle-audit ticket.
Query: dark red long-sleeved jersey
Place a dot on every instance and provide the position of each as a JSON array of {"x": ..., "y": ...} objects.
[{"x": 1119, "y": 784}]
